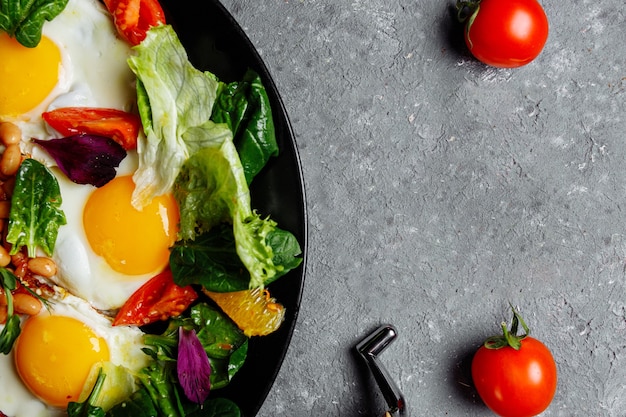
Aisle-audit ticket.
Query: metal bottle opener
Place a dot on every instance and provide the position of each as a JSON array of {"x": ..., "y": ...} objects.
[{"x": 369, "y": 348}]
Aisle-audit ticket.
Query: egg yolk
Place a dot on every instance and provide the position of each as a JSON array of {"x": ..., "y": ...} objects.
[
  {"x": 132, "y": 242},
  {"x": 54, "y": 355},
  {"x": 27, "y": 75}
]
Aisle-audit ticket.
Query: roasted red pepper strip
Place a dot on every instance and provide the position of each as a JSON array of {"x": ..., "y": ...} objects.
[
  {"x": 118, "y": 125},
  {"x": 133, "y": 18},
  {"x": 158, "y": 299}
]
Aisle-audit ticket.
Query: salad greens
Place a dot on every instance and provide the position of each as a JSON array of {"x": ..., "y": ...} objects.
[
  {"x": 11, "y": 329},
  {"x": 36, "y": 213},
  {"x": 88, "y": 408},
  {"x": 198, "y": 157},
  {"x": 245, "y": 107},
  {"x": 175, "y": 102},
  {"x": 160, "y": 393},
  {"x": 24, "y": 20}
]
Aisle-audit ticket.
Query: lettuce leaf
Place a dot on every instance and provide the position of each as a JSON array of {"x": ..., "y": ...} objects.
[
  {"x": 212, "y": 189},
  {"x": 175, "y": 104}
]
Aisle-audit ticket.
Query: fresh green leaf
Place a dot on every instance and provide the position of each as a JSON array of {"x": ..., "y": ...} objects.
[
  {"x": 36, "y": 213},
  {"x": 11, "y": 329},
  {"x": 9, "y": 334},
  {"x": 88, "y": 407},
  {"x": 175, "y": 102},
  {"x": 211, "y": 260},
  {"x": 24, "y": 19},
  {"x": 159, "y": 380},
  {"x": 245, "y": 107},
  {"x": 211, "y": 189}
]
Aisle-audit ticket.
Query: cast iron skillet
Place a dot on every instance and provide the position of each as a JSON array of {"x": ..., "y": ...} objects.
[{"x": 215, "y": 42}]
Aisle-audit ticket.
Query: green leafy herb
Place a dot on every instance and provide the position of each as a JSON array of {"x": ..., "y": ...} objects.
[
  {"x": 88, "y": 407},
  {"x": 11, "y": 330},
  {"x": 139, "y": 404},
  {"x": 24, "y": 19},
  {"x": 36, "y": 213},
  {"x": 245, "y": 107}
]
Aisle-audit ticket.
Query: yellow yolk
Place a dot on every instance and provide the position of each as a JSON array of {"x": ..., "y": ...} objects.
[
  {"x": 132, "y": 242},
  {"x": 54, "y": 355},
  {"x": 27, "y": 75}
]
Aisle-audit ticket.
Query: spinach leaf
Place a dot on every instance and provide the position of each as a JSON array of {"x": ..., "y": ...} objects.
[
  {"x": 24, "y": 19},
  {"x": 11, "y": 330},
  {"x": 245, "y": 107},
  {"x": 212, "y": 260},
  {"x": 36, "y": 213}
]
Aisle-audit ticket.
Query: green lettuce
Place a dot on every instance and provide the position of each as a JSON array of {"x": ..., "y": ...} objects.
[
  {"x": 175, "y": 104},
  {"x": 212, "y": 189}
]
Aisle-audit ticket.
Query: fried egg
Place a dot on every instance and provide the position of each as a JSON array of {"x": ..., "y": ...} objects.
[
  {"x": 79, "y": 62},
  {"x": 108, "y": 249},
  {"x": 55, "y": 354}
]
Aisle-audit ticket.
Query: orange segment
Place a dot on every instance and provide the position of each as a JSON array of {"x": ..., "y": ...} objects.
[{"x": 254, "y": 311}]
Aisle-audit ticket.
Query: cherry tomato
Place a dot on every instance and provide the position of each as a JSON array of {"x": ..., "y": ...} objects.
[
  {"x": 118, "y": 125},
  {"x": 515, "y": 376},
  {"x": 158, "y": 299},
  {"x": 505, "y": 33},
  {"x": 133, "y": 18}
]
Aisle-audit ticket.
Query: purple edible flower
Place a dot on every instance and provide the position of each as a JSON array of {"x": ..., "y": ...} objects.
[
  {"x": 193, "y": 366},
  {"x": 85, "y": 159}
]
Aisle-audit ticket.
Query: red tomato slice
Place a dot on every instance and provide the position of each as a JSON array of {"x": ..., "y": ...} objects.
[
  {"x": 158, "y": 299},
  {"x": 133, "y": 18},
  {"x": 118, "y": 125}
]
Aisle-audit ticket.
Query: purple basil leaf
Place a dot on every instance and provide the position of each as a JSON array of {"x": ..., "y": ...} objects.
[
  {"x": 85, "y": 159},
  {"x": 194, "y": 370}
]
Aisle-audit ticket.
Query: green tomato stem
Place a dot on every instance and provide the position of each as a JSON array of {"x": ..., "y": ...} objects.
[{"x": 509, "y": 337}]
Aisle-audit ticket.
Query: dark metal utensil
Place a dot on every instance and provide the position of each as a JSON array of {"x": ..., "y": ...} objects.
[{"x": 369, "y": 348}]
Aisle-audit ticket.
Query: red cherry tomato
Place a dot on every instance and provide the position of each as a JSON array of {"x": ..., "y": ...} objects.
[
  {"x": 515, "y": 381},
  {"x": 158, "y": 299},
  {"x": 506, "y": 33},
  {"x": 133, "y": 18},
  {"x": 118, "y": 125}
]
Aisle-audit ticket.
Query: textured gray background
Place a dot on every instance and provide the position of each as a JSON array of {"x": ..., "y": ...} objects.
[{"x": 440, "y": 189}]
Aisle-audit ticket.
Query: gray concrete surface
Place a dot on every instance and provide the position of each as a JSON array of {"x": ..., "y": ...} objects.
[{"x": 440, "y": 189}]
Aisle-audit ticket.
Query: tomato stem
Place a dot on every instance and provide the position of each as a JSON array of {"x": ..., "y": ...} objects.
[
  {"x": 466, "y": 9},
  {"x": 509, "y": 337}
]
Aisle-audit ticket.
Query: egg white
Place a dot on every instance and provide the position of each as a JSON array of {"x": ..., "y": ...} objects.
[{"x": 124, "y": 342}]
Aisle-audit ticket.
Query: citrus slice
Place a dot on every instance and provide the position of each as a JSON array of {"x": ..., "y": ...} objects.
[{"x": 255, "y": 312}]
